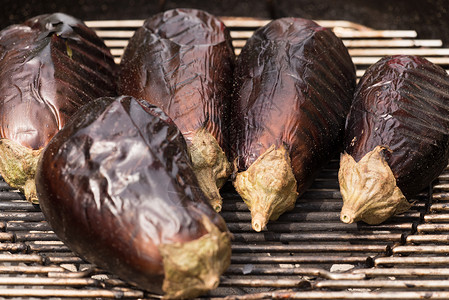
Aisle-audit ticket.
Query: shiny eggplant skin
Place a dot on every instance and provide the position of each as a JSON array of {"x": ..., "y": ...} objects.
[
  {"x": 182, "y": 61},
  {"x": 49, "y": 67},
  {"x": 116, "y": 185},
  {"x": 294, "y": 83},
  {"x": 402, "y": 105}
]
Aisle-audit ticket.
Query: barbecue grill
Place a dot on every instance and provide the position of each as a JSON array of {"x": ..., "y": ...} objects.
[{"x": 307, "y": 254}]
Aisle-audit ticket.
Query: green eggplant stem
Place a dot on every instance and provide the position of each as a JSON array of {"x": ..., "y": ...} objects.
[{"x": 18, "y": 167}]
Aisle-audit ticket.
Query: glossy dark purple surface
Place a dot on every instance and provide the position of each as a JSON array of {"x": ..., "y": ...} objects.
[
  {"x": 49, "y": 66},
  {"x": 293, "y": 85},
  {"x": 116, "y": 182},
  {"x": 402, "y": 102},
  {"x": 182, "y": 61}
]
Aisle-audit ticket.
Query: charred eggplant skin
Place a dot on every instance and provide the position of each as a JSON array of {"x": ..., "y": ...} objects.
[
  {"x": 49, "y": 67},
  {"x": 402, "y": 104},
  {"x": 293, "y": 87},
  {"x": 116, "y": 185},
  {"x": 294, "y": 82},
  {"x": 182, "y": 61}
]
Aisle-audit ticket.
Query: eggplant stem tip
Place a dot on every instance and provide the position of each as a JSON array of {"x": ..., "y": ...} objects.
[
  {"x": 217, "y": 207},
  {"x": 346, "y": 219},
  {"x": 256, "y": 226}
]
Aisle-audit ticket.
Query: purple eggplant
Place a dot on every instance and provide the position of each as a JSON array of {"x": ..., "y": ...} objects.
[
  {"x": 117, "y": 186},
  {"x": 397, "y": 137},
  {"x": 294, "y": 83},
  {"x": 182, "y": 61},
  {"x": 49, "y": 66}
]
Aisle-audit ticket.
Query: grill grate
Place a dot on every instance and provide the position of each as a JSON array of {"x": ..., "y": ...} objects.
[{"x": 307, "y": 254}]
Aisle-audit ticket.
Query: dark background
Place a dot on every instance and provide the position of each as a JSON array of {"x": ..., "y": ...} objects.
[{"x": 430, "y": 18}]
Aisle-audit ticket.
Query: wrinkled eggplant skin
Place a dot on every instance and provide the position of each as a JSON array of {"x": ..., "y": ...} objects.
[
  {"x": 402, "y": 102},
  {"x": 49, "y": 66},
  {"x": 116, "y": 182},
  {"x": 182, "y": 61},
  {"x": 294, "y": 82}
]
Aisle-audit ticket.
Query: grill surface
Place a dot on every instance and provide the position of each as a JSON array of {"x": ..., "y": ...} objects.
[{"x": 307, "y": 254}]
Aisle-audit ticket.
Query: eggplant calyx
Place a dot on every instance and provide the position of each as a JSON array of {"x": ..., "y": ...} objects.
[
  {"x": 369, "y": 189},
  {"x": 194, "y": 268},
  {"x": 210, "y": 165},
  {"x": 18, "y": 167},
  {"x": 268, "y": 186}
]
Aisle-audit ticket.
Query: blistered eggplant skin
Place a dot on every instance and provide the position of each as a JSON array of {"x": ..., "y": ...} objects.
[
  {"x": 400, "y": 110},
  {"x": 182, "y": 61},
  {"x": 117, "y": 186},
  {"x": 294, "y": 82},
  {"x": 49, "y": 67},
  {"x": 402, "y": 102}
]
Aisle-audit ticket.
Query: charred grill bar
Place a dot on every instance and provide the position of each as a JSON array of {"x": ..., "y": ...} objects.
[{"x": 307, "y": 254}]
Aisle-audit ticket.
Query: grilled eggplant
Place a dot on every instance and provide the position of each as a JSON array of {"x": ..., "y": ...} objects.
[
  {"x": 397, "y": 137},
  {"x": 182, "y": 61},
  {"x": 117, "y": 186},
  {"x": 294, "y": 85},
  {"x": 49, "y": 66}
]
